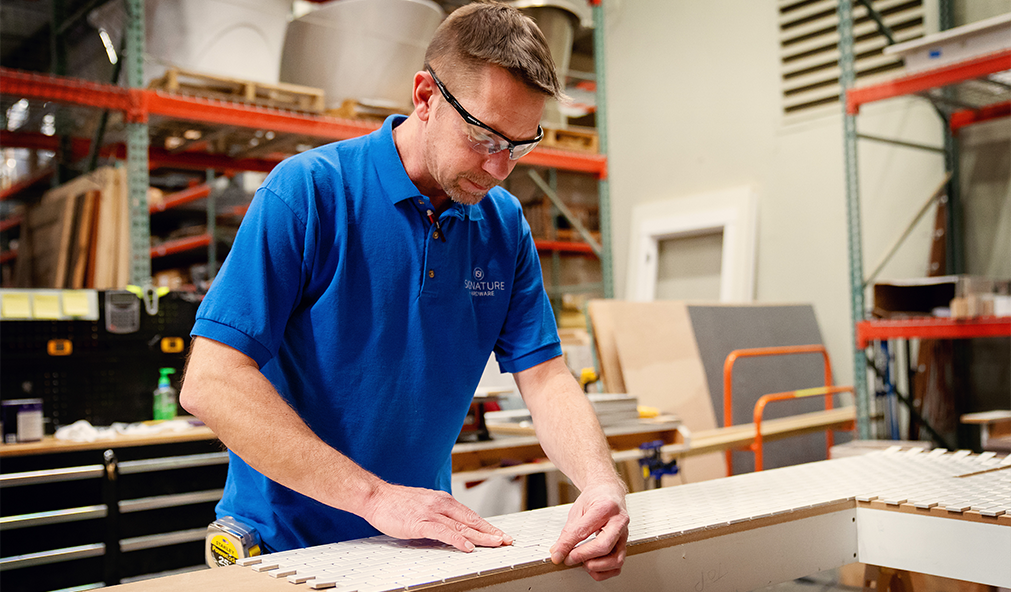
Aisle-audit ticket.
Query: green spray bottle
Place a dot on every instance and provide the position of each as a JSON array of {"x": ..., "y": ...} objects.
[{"x": 165, "y": 396}]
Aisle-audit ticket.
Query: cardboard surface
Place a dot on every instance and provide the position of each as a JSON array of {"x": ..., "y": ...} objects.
[
  {"x": 602, "y": 319},
  {"x": 661, "y": 366}
]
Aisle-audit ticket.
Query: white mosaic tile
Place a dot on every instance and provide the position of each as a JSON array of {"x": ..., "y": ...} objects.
[{"x": 937, "y": 478}]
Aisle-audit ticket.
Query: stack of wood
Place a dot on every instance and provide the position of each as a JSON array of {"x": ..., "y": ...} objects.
[{"x": 78, "y": 235}]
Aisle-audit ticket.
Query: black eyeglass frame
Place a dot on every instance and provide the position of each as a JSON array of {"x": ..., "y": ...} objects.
[{"x": 475, "y": 121}]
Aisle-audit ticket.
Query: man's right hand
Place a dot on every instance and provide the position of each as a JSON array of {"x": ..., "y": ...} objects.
[{"x": 416, "y": 513}]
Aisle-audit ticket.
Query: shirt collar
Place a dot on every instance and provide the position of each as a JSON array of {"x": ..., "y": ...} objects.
[{"x": 393, "y": 175}]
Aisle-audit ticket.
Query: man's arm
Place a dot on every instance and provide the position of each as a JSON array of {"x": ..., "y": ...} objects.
[
  {"x": 225, "y": 388},
  {"x": 570, "y": 434}
]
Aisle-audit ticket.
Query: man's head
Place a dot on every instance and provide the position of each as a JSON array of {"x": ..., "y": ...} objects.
[
  {"x": 488, "y": 33},
  {"x": 479, "y": 101}
]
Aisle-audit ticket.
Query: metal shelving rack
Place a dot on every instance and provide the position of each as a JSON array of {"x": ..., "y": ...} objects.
[
  {"x": 148, "y": 113},
  {"x": 941, "y": 81}
]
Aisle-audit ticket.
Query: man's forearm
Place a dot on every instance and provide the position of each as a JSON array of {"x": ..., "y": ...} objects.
[
  {"x": 566, "y": 424},
  {"x": 227, "y": 392}
]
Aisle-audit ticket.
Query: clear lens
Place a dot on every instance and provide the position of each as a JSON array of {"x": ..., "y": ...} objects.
[
  {"x": 485, "y": 142},
  {"x": 522, "y": 150}
]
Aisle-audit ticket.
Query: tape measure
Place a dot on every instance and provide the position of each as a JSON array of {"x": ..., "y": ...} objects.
[{"x": 229, "y": 540}]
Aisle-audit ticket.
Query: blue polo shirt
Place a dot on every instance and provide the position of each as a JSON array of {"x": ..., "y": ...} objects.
[{"x": 373, "y": 329}]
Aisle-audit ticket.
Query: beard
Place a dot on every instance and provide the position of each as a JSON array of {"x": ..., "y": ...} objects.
[{"x": 468, "y": 197}]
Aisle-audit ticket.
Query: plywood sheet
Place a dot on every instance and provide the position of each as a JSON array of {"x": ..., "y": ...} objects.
[
  {"x": 660, "y": 363},
  {"x": 108, "y": 236}
]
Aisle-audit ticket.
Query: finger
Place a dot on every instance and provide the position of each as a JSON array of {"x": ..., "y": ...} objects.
[
  {"x": 461, "y": 514},
  {"x": 482, "y": 539},
  {"x": 445, "y": 534},
  {"x": 573, "y": 533},
  {"x": 600, "y": 576},
  {"x": 603, "y": 544},
  {"x": 612, "y": 561}
]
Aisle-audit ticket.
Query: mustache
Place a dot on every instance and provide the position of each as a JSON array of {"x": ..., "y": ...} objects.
[{"x": 480, "y": 181}]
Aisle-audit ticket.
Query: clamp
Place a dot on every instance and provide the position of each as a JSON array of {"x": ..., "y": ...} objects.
[{"x": 653, "y": 465}]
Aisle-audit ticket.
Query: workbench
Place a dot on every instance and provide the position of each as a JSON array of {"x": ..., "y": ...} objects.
[{"x": 941, "y": 513}]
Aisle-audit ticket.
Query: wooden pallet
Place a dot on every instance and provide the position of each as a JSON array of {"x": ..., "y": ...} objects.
[
  {"x": 580, "y": 139},
  {"x": 352, "y": 109},
  {"x": 291, "y": 97}
]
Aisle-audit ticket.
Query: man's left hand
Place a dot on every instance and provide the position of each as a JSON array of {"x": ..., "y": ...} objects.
[{"x": 600, "y": 510}]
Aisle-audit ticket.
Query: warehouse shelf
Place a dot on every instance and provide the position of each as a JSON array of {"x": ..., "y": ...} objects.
[
  {"x": 564, "y": 247},
  {"x": 9, "y": 223},
  {"x": 963, "y": 92},
  {"x": 179, "y": 198},
  {"x": 180, "y": 245},
  {"x": 43, "y": 175},
  {"x": 920, "y": 82},
  {"x": 932, "y": 328},
  {"x": 8, "y": 256},
  {"x": 157, "y": 108}
]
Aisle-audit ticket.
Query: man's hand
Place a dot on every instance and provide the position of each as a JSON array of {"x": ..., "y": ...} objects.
[
  {"x": 416, "y": 513},
  {"x": 600, "y": 510}
]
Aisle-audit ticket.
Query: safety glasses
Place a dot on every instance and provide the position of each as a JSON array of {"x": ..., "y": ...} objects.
[{"x": 485, "y": 139}]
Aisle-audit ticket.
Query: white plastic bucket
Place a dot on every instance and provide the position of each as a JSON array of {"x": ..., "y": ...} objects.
[{"x": 366, "y": 50}]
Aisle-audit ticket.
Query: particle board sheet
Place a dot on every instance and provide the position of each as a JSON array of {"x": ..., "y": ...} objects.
[
  {"x": 661, "y": 367},
  {"x": 660, "y": 518},
  {"x": 720, "y": 329}
]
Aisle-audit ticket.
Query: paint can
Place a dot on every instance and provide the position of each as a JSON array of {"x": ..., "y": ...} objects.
[{"x": 22, "y": 420}]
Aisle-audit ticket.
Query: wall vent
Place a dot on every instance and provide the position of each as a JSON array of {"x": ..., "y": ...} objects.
[{"x": 809, "y": 51}]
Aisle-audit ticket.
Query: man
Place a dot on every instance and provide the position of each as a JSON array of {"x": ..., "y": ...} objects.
[{"x": 338, "y": 351}]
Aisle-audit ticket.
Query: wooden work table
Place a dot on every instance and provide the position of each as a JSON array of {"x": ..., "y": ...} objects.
[
  {"x": 50, "y": 445},
  {"x": 517, "y": 445}
]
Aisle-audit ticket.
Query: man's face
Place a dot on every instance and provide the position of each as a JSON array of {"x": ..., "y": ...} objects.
[{"x": 497, "y": 99}]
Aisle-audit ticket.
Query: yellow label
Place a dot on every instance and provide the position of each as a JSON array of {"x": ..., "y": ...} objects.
[
  {"x": 810, "y": 392},
  {"x": 15, "y": 305},
  {"x": 75, "y": 303},
  {"x": 46, "y": 306},
  {"x": 223, "y": 550}
]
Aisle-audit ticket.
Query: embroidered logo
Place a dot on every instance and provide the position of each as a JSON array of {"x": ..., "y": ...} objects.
[{"x": 481, "y": 287}]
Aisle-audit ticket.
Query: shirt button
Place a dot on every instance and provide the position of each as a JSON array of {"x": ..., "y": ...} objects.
[
  {"x": 421, "y": 202},
  {"x": 435, "y": 234},
  {"x": 431, "y": 273}
]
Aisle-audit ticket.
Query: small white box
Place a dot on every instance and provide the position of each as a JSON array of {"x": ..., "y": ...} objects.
[{"x": 955, "y": 45}]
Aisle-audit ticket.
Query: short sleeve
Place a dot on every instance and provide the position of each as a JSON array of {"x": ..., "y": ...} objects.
[
  {"x": 529, "y": 335},
  {"x": 260, "y": 282}
]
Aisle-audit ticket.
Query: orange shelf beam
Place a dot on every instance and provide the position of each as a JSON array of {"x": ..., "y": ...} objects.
[
  {"x": 932, "y": 328},
  {"x": 923, "y": 81},
  {"x": 960, "y": 119},
  {"x": 139, "y": 104},
  {"x": 181, "y": 197},
  {"x": 564, "y": 246},
  {"x": 8, "y": 256},
  {"x": 11, "y": 222},
  {"x": 23, "y": 184},
  {"x": 180, "y": 245}
]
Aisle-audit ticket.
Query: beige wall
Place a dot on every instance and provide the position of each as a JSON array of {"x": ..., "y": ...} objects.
[{"x": 693, "y": 101}]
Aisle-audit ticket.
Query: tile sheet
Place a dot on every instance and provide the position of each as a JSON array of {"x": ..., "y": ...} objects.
[{"x": 958, "y": 481}]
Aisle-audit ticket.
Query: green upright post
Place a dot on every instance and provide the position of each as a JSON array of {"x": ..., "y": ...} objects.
[
  {"x": 847, "y": 76},
  {"x": 137, "y": 142},
  {"x": 606, "y": 266},
  {"x": 212, "y": 228}
]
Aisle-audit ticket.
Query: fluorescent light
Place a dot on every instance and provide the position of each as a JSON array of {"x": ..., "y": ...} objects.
[{"x": 109, "y": 49}]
